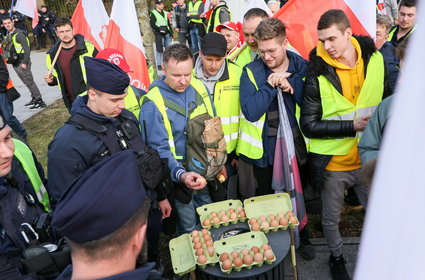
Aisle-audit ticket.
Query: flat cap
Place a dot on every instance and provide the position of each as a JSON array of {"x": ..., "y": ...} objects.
[
  {"x": 106, "y": 76},
  {"x": 101, "y": 200}
]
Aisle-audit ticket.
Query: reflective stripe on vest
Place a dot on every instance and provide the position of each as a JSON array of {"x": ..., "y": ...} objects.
[
  {"x": 17, "y": 45},
  {"x": 160, "y": 20},
  {"x": 213, "y": 22},
  {"x": 90, "y": 49},
  {"x": 193, "y": 11},
  {"x": 336, "y": 107},
  {"x": 156, "y": 97},
  {"x": 227, "y": 105},
  {"x": 25, "y": 157},
  {"x": 250, "y": 143}
]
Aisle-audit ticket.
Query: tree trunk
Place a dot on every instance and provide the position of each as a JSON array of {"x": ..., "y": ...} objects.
[{"x": 142, "y": 8}]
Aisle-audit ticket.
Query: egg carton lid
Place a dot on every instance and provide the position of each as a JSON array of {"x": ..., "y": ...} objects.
[
  {"x": 267, "y": 204},
  {"x": 217, "y": 206}
]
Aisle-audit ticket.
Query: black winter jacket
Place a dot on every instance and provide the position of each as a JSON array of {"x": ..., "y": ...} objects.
[{"x": 311, "y": 121}]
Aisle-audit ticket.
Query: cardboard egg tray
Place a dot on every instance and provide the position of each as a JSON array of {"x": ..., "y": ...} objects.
[
  {"x": 183, "y": 253},
  {"x": 208, "y": 211},
  {"x": 240, "y": 242},
  {"x": 261, "y": 207}
]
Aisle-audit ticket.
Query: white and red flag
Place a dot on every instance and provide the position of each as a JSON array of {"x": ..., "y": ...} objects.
[
  {"x": 91, "y": 20},
  {"x": 124, "y": 35},
  {"x": 28, "y": 8},
  {"x": 301, "y": 18}
]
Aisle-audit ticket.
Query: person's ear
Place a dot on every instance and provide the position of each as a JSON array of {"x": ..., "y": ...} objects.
[{"x": 139, "y": 238}]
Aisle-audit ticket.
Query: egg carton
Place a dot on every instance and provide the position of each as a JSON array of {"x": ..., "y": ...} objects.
[
  {"x": 218, "y": 209},
  {"x": 239, "y": 243},
  {"x": 183, "y": 253},
  {"x": 287, "y": 222}
]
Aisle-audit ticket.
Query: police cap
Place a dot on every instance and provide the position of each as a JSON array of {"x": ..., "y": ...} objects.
[{"x": 101, "y": 200}]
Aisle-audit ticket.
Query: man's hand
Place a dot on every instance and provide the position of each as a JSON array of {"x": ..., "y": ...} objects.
[
  {"x": 165, "y": 207},
  {"x": 193, "y": 180},
  {"x": 48, "y": 78},
  {"x": 280, "y": 79},
  {"x": 23, "y": 66},
  {"x": 203, "y": 15},
  {"x": 361, "y": 122},
  {"x": 177, "y": 30}
]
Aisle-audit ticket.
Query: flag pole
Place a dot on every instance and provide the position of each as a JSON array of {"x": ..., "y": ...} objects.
[
  {"x": 10, "y": 10},
  {"x": 55, "y": 59},
  {"x": 293, "y": 253}
]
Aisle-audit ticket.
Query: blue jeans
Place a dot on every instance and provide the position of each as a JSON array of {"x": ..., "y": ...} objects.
[
  {"x": 194, "y": 37},
  {"x": 188, "y": 217},
  {"x": 6, "y": 108},
  {"x": 166, "y": 41}
]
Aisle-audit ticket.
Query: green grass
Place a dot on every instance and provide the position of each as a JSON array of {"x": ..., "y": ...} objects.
[{"x": 42, "y": 127}]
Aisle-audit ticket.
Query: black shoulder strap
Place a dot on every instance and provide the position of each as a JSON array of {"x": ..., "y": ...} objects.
[{"x": 175, "y": 107}]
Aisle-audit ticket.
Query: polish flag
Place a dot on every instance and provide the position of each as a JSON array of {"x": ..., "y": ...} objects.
[
  {"x": 91, "y": 20},
  {"x": 124, "y": 35},
  {"x": 301, "y": 18},
  {"x": 28, "y": 8}
]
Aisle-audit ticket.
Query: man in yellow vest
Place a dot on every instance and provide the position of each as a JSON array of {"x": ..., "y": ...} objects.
[
  {"x": 69, "y": 72},
  {"x": 164, "y": 128},
  {"x": 23, "y": 198},
  {"x": 251, "y": 19},
  {"x": 406, "y": 22},
  {"x": 230, "y": 31},
  {"x": 222, "y": 78},
  {"x": 162, "y": 29},
  {"x": 195, "y": 25},
  {"x": 220, "y": 13},
  {"x": 344, "y": 84}
]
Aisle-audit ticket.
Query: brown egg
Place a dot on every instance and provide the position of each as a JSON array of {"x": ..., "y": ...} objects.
[
  {"x": 262, "y": 218},
  {"x": 242, "y": 214},
  {"x": 269, "y": 254},
  {"x": 265, "y": 225},
  {"x": 196, "y": 239},
  {"x": 202, "y": 259},
  {"x": 255, "y": 227},
  {"x": 213, "y": 214},
  {"x": 255, "y": 249},
  {"x": 247, "y": 259},
  {"x": 204, "y": 231},
  {"x": 233, "y": 216},
  {"x": 216, "y": 220},
  {"x": 206, "y": 223},
  {"x": 245, "y": 252},
  {"x": 226, "y": 264},
  {"x": 283, "y": 222},
  {"x": 258, "y": 257},
  {"x": 252, "y": 220},
  {"x": 222, "y": 213},
  {"x": 272, "y": 217},
  {"x": 194, "y": 233},
  {"x": 237, "y": 262},
  {"x": 197, "y": 245},
  {"x": 224, "y": 218},
  {"x": 207, "y": 237},
  {"x": 274, "y": 223},
  {"x": 235, "y": 254},
  {"x": 290, "y": 213},
  {"x": 281, "y": 215},
  {"x": 293, "y": 220},
  {"x": 239, "y": 209},
  {"x": 231, "y": 210},
  {"x": 224, "y": 256},
  {"x": 199, "y": 251},
  {"x": 209, "y": 243},
  {"x": 210, "y": 251},
  {"x": 265, "y": 247}
]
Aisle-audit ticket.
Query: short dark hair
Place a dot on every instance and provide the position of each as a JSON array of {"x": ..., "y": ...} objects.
[
  {"x": 5, "y": 18},
  {"x": 332, "y": 17},
  {"x": 407, "y": 3},
  {"x": 179, "y": 52},
  {"x": 270, "y": 28},
  {"x": 63, "y": 22},
  {"x": 112, "y": 244},
  {"x": 384, "y": 21},
  {"x": 255, "y": 12}
]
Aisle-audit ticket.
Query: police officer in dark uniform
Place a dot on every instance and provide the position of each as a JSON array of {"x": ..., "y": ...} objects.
[
  {"x": 45, "y": 27},
  {"x": 99, "y": 126},
  {"x": 103, "y": 216},
  {"x": 19, "y": 20},
  {"x": 23, "y": 199}
]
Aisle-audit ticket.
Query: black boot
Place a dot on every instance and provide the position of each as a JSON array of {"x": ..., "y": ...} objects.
[
  {"x": 37, "y": 42},
  {"x": 43, "y": 42},
  {"x": 338, "y": 269},
  {"x": 306, "y": 249}
]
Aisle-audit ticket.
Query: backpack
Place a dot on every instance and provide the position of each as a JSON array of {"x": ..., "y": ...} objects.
[
  {"x": 205, "y": 145},
  {"x": 9, "y": 53}
]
